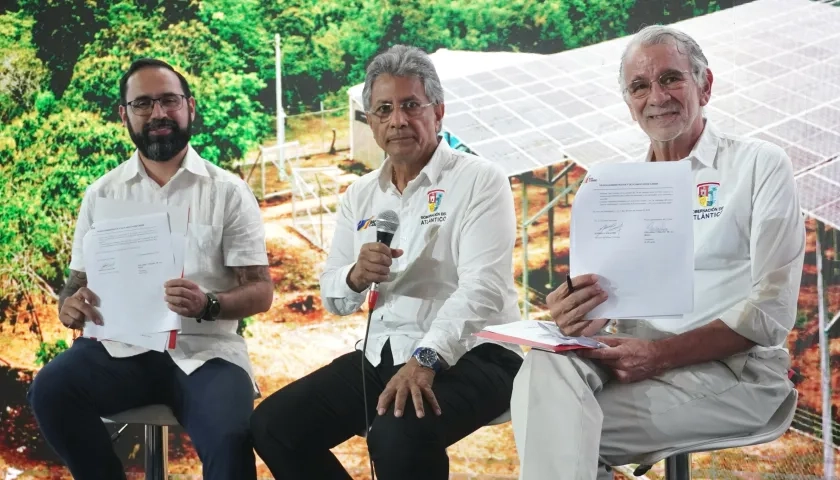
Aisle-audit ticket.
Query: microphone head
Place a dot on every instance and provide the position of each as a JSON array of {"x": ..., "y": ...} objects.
[{"x": 387, "y": 222}]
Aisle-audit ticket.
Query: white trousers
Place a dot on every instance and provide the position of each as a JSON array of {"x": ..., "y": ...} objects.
[{"x": 570, "y": 418}]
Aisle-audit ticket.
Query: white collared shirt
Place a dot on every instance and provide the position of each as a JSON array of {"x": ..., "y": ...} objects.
[
  {"x": 225, "y": 230},
  {"x": 749, "y": 239},
  {"x": 457, "y": 229}
]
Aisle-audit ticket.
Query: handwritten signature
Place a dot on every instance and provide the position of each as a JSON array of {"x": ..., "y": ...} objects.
[
  {"x": 657, "y": 227},
  {"x": 609, "y": 228},
  {"x": 107, "y": 266}
]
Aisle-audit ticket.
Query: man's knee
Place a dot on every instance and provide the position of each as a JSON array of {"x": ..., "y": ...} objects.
[
  {"x": 50, "y": 391},
  {"x": 272, "y": 424},
  {"x": 397, "y": 440},
  {"x": 224, "y": 439}
]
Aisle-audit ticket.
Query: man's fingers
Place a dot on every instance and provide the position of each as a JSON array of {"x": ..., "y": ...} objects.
[
  {"x": 584, "y": 304},
  {"x": 396, "y": 252},
  {"x": 88, "y": 295},
  {"x": 180, "y": 282},
  {"x": 88, "y": 312},
  {"x": 385, "y": 399},
  {"x": 377, "y": 247},
  {"x": 593, "y": 326},
  {"x": 184, "y": 312},
  {"x": 417, "y": 398},
  {"x": 399, "y": 400},
  {"x": 584, "y": 281},
  {"x": 430, "y": 397},
  {"x": 178, "y": 292},
  {"x": 611, "y": 341}
]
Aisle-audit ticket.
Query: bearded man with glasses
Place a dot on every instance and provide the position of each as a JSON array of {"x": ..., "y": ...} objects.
[
  {"x": 206, "y": 378},
  {"x": 428, "y": 382},
  {"x": 718, "y": 372}
]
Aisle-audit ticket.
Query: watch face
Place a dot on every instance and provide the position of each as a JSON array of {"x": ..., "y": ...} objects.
[
  {"x": 215, "y": 307},
  {"x": 427, "y": 357}
]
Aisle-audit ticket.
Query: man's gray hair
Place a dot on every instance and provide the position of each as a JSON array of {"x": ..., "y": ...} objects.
[
  {"x": 660, "y": 34},
  {"x": 403, "y": 61}
]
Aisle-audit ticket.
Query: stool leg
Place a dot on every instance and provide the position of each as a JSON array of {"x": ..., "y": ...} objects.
[
  {"x": 157, "y": 444},
  {"x": 678, "y": 467}
]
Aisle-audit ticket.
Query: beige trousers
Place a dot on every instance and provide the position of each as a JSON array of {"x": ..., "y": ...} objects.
[{"x": 570, "y": 418}]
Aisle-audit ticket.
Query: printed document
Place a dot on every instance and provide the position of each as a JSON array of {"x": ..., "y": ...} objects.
[
  {"x": 632, "y": 225},
  {"x": 127, "y": 261}
]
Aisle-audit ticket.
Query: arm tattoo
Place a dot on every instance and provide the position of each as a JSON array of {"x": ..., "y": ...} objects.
[
  {"x": 252, "y": 274},
  {"x": 76, "y": 281}
]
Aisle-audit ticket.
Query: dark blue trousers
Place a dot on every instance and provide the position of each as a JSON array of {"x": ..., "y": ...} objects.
[{"x": 213, "y": 404}]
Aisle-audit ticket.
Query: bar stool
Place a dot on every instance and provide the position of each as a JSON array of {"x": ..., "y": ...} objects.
[
  {"x": 678, "y": 460},
  {"x": 156, "y": 420}
]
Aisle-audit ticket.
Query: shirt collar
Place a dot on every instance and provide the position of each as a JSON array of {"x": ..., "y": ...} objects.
[
  {"x": 432, "y": 170},
  {"x": 705, "y": 150},
  {"x": 192, "y": 163}
]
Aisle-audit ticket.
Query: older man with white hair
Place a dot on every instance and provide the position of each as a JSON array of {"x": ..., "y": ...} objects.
[{"x": 719, "y": 371}]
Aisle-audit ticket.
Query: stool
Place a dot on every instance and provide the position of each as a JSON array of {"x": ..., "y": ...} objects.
[
  {"x": 156, "y": 419},
  {"x": 678, "y": 460}
]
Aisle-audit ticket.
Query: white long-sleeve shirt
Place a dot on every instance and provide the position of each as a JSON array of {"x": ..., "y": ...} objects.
[
  {"x": 749, "y": 239},
  {"x": 457, "y": 229}
]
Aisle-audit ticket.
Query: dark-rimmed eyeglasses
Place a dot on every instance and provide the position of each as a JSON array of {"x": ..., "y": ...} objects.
[
  {"x": 670, "y": 80},
  {"x": 411, "y": 108},
  {"x": 169, "y": 103}
]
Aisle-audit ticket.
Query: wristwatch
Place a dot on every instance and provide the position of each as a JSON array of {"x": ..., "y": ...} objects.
[
  {"x": 211, "y": 309},
  {"x": 428, "y": 358}
]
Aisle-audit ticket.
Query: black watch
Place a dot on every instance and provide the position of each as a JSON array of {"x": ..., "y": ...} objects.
[{"x": 212, "y": 309}]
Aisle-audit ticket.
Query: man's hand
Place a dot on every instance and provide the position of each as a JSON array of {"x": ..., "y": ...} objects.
[
  {"x": 414, "y": 379},
  {"x": 568, "y": 309},
  {"x": 372, "y": 266},
  {"x": 79, "y": 307},
  {"x": 630, "y": 359},
  {"x": 185, "y": 297}
]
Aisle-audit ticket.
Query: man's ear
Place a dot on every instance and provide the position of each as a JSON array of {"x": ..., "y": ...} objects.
[
  {"x": 191, "y": 105},
  {"x": 123, "y": 115},
  {"x": 706, "y": 91},
  {"x": 439, "y": 109}
]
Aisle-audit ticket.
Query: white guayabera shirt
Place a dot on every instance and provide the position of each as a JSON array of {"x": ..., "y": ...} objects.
[
  {"x": 225, "y": 230},
  {"x": 457, "y": 228},
  {"x": 749, "y": 240}
]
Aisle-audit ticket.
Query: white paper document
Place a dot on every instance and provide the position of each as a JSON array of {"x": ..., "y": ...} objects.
[
  {"x": 632, "y": 225},
  {"x": 127, "y": 261}
]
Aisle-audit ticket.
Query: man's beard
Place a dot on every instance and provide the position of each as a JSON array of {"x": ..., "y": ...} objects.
[{"x": 161, "y": 148}]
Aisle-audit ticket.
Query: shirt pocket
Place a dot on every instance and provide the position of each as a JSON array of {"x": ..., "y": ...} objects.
[{"x": 204, "y": 249}]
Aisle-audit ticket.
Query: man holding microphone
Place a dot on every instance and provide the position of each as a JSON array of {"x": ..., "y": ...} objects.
[{"x": 428, "y": 382}]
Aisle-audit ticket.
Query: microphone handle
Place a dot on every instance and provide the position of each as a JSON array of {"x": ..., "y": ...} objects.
[{"x": 384, "y": 237}]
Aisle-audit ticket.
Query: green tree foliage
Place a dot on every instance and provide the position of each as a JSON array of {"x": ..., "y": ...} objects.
[
  {"x": 47, "y": 160},
  {"x": 22, "y": 74},
  {"x": 48, "y": 351},
  {"x": 230, "y": 118}
]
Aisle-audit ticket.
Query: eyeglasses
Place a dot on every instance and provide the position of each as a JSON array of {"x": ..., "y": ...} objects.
[
  {"x": 169, "y": 103},
  {"x": 410, "y": 108},
  {"x": 671, "y": 80}
]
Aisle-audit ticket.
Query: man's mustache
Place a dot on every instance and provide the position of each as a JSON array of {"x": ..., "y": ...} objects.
[{"x": 158, "y": 124}]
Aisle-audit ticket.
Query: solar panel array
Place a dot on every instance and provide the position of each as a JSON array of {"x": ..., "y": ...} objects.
[{"x": 776, "y": 66}]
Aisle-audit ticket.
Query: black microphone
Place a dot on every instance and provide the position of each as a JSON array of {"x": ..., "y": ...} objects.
[{"x": 387, "y": 223}]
